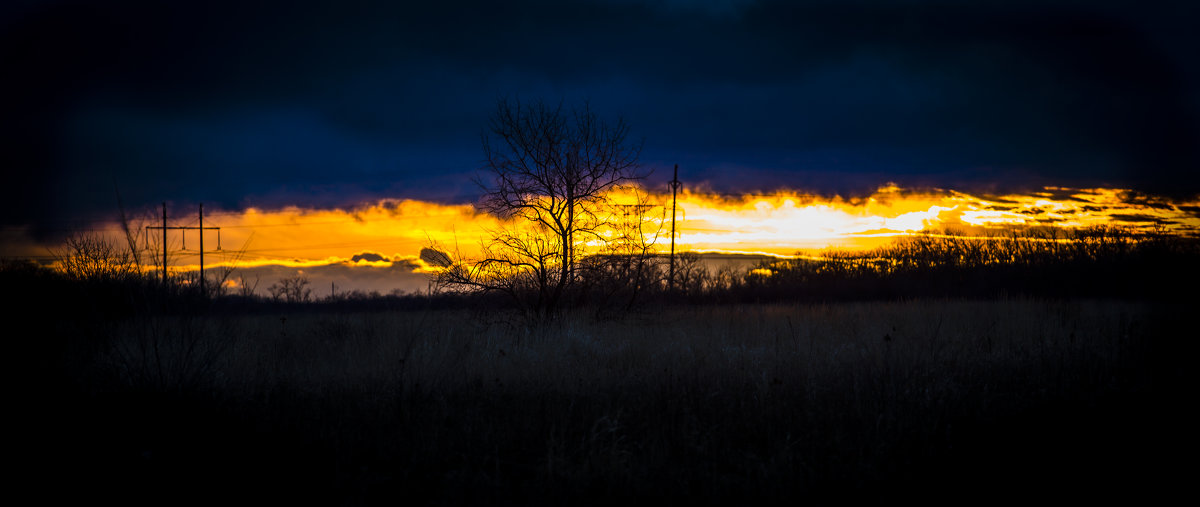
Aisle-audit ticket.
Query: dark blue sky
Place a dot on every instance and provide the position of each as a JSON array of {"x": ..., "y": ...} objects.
[{"x": 326, "y": 105}]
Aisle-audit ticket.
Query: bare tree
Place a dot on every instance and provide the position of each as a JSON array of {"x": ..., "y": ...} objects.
[
  {"x": 550, "y": 168},
  {"x": 691, "y": 276},
  {"x": 628, "y": 263},
  {"x": 245, "y": 288},
  {"x": 522, "y": 264},
  {"x": 292, "y": 290},
  {"x": 90, "y": 256},
  {"x": 223, "y": 272}
]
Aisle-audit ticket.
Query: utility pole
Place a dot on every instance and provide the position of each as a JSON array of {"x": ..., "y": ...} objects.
[
  {"x": 164, "y": 229},
  {"x": 674, "y": 190},
  {"x": 200, "y": 228}
]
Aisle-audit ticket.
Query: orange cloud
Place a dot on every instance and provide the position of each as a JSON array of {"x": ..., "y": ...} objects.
[{"x": 388, "y": 235}]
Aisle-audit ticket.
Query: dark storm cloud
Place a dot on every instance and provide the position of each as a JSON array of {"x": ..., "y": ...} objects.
[{"x": 290, "y": 103}]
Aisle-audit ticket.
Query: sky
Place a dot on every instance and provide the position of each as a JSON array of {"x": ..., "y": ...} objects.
[{"x": 337, "y": 105}]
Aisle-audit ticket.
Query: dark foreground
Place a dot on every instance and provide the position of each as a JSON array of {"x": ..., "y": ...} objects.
[{"x": 941, "y": 401}]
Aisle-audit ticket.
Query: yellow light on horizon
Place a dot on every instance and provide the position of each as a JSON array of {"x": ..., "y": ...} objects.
[{"x": 781, "y": 223}]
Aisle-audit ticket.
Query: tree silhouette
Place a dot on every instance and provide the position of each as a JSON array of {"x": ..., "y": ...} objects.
[
  {"x": 549, "y": 168},
  {"x": 627, "y": 264},
  {"x": 291, "y": 289},
  {"x": 92, "y": 257}
]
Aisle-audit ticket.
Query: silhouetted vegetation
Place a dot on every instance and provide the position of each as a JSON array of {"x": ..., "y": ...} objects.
[
  {"x": 847, "y": 403},
  {"x": 550, "y": 171},
  {"x": 628, "y": 275},
  {"x": 292, "y": 290},
  {"x": 978, "y": 372},
  {"x": 1093, "y": 262},
  {"x": 1090, "y": 262}
]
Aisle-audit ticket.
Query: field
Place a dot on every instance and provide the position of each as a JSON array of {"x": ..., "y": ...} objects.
[{"x": 934, "y": 400}]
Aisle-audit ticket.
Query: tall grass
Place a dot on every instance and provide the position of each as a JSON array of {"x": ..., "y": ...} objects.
[{"x": 852, "y": 402}]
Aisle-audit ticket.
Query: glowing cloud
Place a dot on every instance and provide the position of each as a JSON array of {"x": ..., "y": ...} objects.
[{"x": 389, "y": 235}]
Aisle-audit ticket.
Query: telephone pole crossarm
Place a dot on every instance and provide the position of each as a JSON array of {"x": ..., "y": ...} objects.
[{"x": 201, "y": 228}]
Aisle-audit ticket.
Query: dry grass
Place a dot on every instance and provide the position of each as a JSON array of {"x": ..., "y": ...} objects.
[{"x": 831, "y": 403}]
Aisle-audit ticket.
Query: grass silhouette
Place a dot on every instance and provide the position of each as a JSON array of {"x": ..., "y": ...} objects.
[{"x": 848, "y": 402}]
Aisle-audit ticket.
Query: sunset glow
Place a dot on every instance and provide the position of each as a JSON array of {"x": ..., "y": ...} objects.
[{"x": 386, "y": 237}]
